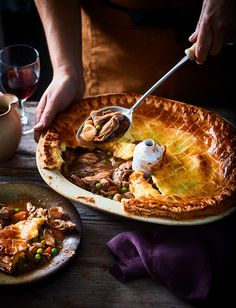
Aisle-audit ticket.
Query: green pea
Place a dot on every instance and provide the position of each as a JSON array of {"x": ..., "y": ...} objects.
[
  {"x": 39, "y": 251},
  {"x": 37, "y": 257},
  {"x": 98, "y": 127},
  {"x": 103, "y": 161},
  {"x": 98, "y": 185},
  {"x": 123, "y": 190},
  {"x": 43, "y": 242},
  {"x": 17, "y": 210},
  {"x": 54, "y": 251}
]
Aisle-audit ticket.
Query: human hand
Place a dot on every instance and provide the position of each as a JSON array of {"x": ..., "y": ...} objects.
[
  {"x": 61, "y": 92},
  {"x": 215, "y": 26}
]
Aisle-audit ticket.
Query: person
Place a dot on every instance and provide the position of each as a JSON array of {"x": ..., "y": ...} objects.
[{"x": 103, "y": 46}]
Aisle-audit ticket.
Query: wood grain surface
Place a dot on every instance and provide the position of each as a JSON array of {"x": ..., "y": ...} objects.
[{"x": 86, "y": 281}]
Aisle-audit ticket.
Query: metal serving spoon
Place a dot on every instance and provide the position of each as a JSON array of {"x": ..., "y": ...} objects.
[{"x": 128, "y": 113}]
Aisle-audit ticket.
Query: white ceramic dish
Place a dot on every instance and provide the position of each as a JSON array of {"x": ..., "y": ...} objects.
[{"x": 60, "y": 184}]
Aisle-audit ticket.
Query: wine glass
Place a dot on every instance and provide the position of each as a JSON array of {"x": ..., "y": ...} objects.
[{"x": 19, "y": 71}]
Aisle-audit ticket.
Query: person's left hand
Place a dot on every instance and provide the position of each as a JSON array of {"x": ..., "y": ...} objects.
[
  {"x": 62, "y": 91},
  {"x": 216, "y": 25}
]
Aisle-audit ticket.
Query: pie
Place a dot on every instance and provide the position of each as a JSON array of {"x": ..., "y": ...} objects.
[{"x": 195, "y": 180}]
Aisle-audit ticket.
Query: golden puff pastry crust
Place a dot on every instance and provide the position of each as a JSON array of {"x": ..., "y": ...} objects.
[{"x": 197, "y": 177}]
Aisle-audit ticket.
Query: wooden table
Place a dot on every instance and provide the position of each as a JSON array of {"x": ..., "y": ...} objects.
[{"x": 86, "y": 281}]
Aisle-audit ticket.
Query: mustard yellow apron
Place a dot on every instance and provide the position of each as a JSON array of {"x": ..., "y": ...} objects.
[{"x": 123, "y": 54}]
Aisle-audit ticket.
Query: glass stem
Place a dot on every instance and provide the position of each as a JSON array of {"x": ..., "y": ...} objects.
[{"x": 21, "y": 109}]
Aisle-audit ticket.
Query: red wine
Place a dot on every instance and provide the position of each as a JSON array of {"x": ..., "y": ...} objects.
[{"x": 20, "y": 82}]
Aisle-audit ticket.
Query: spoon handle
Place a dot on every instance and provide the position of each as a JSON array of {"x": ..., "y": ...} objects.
[{"x": 160, "y": 81}]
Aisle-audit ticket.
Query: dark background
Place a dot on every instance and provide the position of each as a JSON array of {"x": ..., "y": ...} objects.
[{"x": 20, "y": 23}]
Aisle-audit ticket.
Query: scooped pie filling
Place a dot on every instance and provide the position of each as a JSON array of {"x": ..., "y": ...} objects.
[{"x": 104, "y": 126}]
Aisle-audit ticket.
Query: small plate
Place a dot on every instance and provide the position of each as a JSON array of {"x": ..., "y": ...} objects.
[{"x": 47, "y": 198}]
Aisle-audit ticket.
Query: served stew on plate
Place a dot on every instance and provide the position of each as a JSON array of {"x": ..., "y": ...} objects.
[{"x": 30, "y": 235}]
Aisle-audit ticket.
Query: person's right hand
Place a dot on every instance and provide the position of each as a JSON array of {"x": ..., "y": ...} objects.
[
  {"x": 62, "y": 91},
  {"x": 215, "y": 26}
]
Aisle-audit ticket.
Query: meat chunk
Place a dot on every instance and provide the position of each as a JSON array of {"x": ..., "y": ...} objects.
[
  {"x": 49, "y": 237},
  {"x": 120, "y": 176},
  {"x": 128, "y": 195},
  {"x": 56, "y": 213},
  {"x": 108, "y": 129},
  {"x": 58, "y": 219},
  {"x": 89, "y": 182},
  {"x": 63, "y": 225},
  {"x": 88, "y": 164},
  {"x": 38, "y": 213},
  {"x": 100, "y": 118},
  {"x": 126, "y": 166},
  {"x": 5, "y": 215},
  {"x": 105, "y": 184},
  {"x": 88, "y": 158}
]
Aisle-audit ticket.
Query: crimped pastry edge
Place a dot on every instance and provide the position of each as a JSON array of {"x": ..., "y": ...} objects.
[{"x": 62, "y": 134}]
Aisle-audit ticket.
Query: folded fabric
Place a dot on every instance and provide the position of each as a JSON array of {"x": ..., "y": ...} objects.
[{"x": 190, "y": 261}]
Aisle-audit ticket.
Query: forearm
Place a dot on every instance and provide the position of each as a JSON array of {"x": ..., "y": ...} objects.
[{"x": 61, "y": 20}]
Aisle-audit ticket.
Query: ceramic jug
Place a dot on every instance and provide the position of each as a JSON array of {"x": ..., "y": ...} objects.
[{"x": 10, "y": 126}]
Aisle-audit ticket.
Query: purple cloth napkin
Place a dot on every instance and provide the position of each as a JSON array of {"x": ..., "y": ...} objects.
[{"x": 190, "y": 261}]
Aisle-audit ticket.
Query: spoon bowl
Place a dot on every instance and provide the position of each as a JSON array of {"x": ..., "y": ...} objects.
[{"x": 123, "y": 129}]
